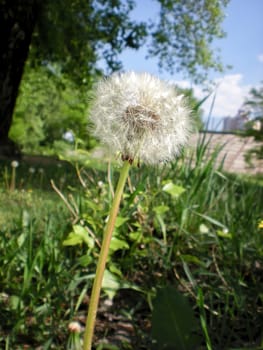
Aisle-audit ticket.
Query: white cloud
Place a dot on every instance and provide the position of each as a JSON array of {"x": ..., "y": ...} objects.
[
  {"x": 260, "y": 57},
  {"x": 229, "y": 95}
]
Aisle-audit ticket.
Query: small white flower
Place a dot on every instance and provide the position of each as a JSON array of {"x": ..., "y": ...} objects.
[
  {"x": 14, "y": 164},
  {"x": 141, "y": 117},
  {"x": 32, "y": 170}
]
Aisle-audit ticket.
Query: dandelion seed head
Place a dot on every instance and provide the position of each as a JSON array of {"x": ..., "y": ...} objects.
[
  {"x": 14, "y": 164},
  {"x": 141, "y": 117},
  {"x": 100, "y": 184}
]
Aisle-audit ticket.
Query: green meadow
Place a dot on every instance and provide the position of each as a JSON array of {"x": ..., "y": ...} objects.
[{"x": 185, "y": 264}]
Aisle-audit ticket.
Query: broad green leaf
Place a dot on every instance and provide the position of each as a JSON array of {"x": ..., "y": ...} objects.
[
  {"x": 135, "y": 236},
  {"x": 172, "y": 321},
  {"x": 161, "y": 209},
  {"x": 91, "y": 204},
  {"x": 79, "y": 230},
  {"x": 174, "y": 190},
  {"x": 79, "y": 236},
  {"x": 72, "y": 239},
  {"x": 85, "y": 260},
  {"x": 115, "y": 270},
  {"x": 118, "y": 244},
  {"x": 111, "y": 283},
  {"x": 120, "y": 221}
]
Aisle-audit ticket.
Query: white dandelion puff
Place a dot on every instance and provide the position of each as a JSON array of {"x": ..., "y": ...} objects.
[
  {"x": 140, "y": 116},
  {"x": 14, "y": 164}
]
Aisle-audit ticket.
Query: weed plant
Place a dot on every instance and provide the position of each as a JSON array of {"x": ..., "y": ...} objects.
[{"x": 187, "y": 226}]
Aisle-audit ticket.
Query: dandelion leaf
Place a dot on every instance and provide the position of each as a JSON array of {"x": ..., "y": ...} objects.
[{"x": 173, "y": 321}]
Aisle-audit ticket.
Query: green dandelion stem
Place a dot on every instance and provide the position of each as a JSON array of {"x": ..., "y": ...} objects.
[{"x": 95, "y": 294}]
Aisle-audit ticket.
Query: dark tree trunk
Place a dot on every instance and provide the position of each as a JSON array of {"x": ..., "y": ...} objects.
[{"x": 17, "y": 22}]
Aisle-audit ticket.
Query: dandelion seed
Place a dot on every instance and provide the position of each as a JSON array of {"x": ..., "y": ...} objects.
[{"x": 141, "y": 117}]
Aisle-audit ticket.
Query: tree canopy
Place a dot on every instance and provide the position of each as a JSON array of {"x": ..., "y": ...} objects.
[
  {"x": 183, "y": 36},
  {"x": 79, "y": 33},
  {"x": 72, "y": 37},
  {"x": 254, "y": 127},
  {"x": 254, "y": 103}
]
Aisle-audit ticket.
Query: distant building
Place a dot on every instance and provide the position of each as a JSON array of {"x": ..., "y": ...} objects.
[
  {"x": 213, "y": 123},
  {"x": 236, "y": 123}
]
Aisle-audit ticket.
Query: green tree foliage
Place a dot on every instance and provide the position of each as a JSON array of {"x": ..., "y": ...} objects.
[
  {"x": 255, "y": 126},
  {"x": 71, "y": 34},
  {"x": 49, "y": 106},
  {"x": 195, "y": 105},
  {"x": 255, "y": 101},
  {"x": 77, "y": 35},
  {"x": 182, "y": 38},
  {"x": 255, "y": 104}
]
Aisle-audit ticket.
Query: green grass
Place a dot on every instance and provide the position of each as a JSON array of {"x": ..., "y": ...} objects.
[{"x": 186, "y": 225}]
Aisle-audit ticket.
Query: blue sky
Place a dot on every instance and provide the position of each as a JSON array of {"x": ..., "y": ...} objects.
[
  {"x": 244, "y": 42},
  {"x": 242, "y": 49}
]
